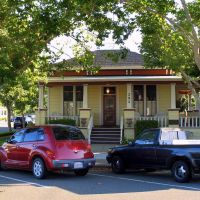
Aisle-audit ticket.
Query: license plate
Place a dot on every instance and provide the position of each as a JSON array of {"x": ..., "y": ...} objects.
[{"x": 78, "y": 165}]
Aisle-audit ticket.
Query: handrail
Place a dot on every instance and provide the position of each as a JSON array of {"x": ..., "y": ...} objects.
[
  {"x": 89, "y": 128},
  {"x": 121, "y": 129}
]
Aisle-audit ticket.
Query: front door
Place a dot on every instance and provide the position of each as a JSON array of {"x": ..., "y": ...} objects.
[{"x": 109, "y": 106}]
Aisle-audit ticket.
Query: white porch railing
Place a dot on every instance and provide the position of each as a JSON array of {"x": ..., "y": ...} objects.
[
  {"x": 89, "y": 128},
  {"x": 121, "y": 128},
  {"x": 189, "y": 122},
  {"x": 162, "y": 120}
]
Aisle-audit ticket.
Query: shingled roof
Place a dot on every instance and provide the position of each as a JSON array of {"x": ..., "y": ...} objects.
[{"x": 102, "y": 58}]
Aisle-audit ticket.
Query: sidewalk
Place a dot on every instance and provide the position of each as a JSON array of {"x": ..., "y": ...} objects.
[{"x": 101, "y": 162}]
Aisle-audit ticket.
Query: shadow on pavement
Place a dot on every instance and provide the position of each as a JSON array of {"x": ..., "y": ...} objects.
[{"x": 104, "y": 182}]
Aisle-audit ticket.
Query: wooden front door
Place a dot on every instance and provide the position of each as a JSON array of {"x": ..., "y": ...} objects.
[{"x": 109, "y": 110}]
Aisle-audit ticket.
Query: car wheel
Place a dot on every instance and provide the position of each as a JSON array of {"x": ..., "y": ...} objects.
[
  {"x": 117, "y": 165},
  {"x": 81, "y": 172},
  {"x": 38, "y": 168},
  {"x": 181, "y": 171}
]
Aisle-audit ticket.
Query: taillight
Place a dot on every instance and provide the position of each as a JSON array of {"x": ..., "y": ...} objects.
[{"x": 88, "y": 148}]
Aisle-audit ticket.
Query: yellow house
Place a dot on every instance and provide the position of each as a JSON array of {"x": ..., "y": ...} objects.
[
  {"x": 3, "y": 113},
  {"x": 107, "y": 104}
]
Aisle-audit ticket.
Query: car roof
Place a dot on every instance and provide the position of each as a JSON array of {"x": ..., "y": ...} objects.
[{"x": 56, "y": 125}]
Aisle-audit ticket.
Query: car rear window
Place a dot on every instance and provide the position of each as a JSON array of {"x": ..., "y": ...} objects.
[{"x": 66, "y": 133}]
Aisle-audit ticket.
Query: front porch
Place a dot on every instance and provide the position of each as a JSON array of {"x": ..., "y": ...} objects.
[{"x": 110, "y": 105}]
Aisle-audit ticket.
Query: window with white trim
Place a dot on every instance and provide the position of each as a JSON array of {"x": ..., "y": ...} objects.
[
  {"x": 145, "y": 100},
  {"x": 73, "y": 100}
]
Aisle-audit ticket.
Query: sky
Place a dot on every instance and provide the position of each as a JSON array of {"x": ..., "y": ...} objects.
[{"x": 66, "y": 44}]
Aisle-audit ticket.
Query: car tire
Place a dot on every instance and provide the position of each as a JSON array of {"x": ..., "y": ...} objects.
[
  {"x": 81, "y": 172},
  {"x": 39, "y": 168},
  {"x": 117, "y": 165},
  {"x": 181, "y": 172}
]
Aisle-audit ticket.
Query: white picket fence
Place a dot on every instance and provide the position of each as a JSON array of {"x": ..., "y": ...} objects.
[
  {"x": 189, "y": 122},
  {"x": 162, "y": 120}
]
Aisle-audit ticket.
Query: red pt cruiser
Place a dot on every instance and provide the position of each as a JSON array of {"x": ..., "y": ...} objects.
[{"x": 47, "y": 148}]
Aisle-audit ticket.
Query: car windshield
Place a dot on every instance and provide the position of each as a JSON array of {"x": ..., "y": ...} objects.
[{"x": 67, "y": 133}]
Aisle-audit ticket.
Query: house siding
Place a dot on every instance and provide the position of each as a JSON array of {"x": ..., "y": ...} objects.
[
  {"x": 122, "y": 95},
  {"x": 95, "y": 102},
  {"x": 164, "y": 98},
  {"x": 56, "y": 100}
]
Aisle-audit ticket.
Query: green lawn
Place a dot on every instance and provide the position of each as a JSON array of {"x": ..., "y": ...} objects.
[{"x": 3, "y": 139}]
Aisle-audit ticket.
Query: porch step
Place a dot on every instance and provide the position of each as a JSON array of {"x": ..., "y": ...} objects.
[{"x": 105, "y": 135}]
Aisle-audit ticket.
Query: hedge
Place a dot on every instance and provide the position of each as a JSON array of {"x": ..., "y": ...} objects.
[
  {"x": 4, "y": 134},
  {"x": 141, "y": 125},
  {"x": 63, "y": 121}
]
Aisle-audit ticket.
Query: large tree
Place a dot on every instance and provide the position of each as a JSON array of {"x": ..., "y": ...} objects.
[
  {"x": 26, "y": 30},
  {"x": 170, "y": 31}
]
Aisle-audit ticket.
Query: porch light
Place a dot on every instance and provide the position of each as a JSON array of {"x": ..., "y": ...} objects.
[{"x": 107, "y": 90}]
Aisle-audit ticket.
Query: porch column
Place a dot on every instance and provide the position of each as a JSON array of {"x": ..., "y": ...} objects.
[
  {"x": 85, "y": 96},
  {"x": 129, "y": 115},
  {"x": 129, "y": 96},
  {"x": 173, "y": 95},
  {"x": 41, "y": 96},
  {"x": 41, "y": 112},
  {"x": 173, "y": 117}
]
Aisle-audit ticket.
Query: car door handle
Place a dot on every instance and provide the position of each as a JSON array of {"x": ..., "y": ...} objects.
[{"x": 34, "y": 145}]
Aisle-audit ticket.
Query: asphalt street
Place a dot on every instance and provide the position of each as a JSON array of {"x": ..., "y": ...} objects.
[{"x": 98, "y": 185}]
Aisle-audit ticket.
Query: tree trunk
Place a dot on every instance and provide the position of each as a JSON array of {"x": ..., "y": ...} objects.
[
  {"x": 23, "y": 120},
  {"x": 9, "y": 116}
]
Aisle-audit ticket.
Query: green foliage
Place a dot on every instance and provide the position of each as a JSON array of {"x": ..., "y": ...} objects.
[
  {"x": 63, "y": 121},
  {"x": 126, "y": 140},
  {"x": 141, "y": 125},
  {"x": 5, "y": 134}
]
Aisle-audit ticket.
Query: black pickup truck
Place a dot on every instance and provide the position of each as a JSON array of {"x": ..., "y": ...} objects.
[{"x": 161, "y": 148}]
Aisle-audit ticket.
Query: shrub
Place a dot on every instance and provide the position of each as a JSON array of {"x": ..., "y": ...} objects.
[
  {"x": 126, "y": 140},
  {"x": 4, "y": 134},
  {"x": 63, "y": 121},
  {"x": 144, "y": 124}
]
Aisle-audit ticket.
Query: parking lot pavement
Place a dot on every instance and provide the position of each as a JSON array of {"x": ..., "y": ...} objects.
[{"x": 20, "y": 185}]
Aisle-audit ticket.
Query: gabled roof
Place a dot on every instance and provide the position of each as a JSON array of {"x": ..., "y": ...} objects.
[{"x": 131, "y": 59}]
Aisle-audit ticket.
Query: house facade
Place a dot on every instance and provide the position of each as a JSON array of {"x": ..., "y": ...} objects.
[{"x": 115, "y": 97}]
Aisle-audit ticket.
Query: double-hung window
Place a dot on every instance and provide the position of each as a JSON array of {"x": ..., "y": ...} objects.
[
  {"x": 73, "y": 100},
  {"x": 144, "y": 99}
]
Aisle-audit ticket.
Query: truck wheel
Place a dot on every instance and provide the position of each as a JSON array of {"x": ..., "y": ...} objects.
[
  {"x": 181, "y": 171},
  {"x": 81, "y": 172},
  {"x": 117, "y": 165},
  {"x": 39, "y": 168}
]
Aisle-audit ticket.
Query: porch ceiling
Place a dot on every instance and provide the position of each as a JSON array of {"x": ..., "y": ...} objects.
[{"x": 115, "y": 79}]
